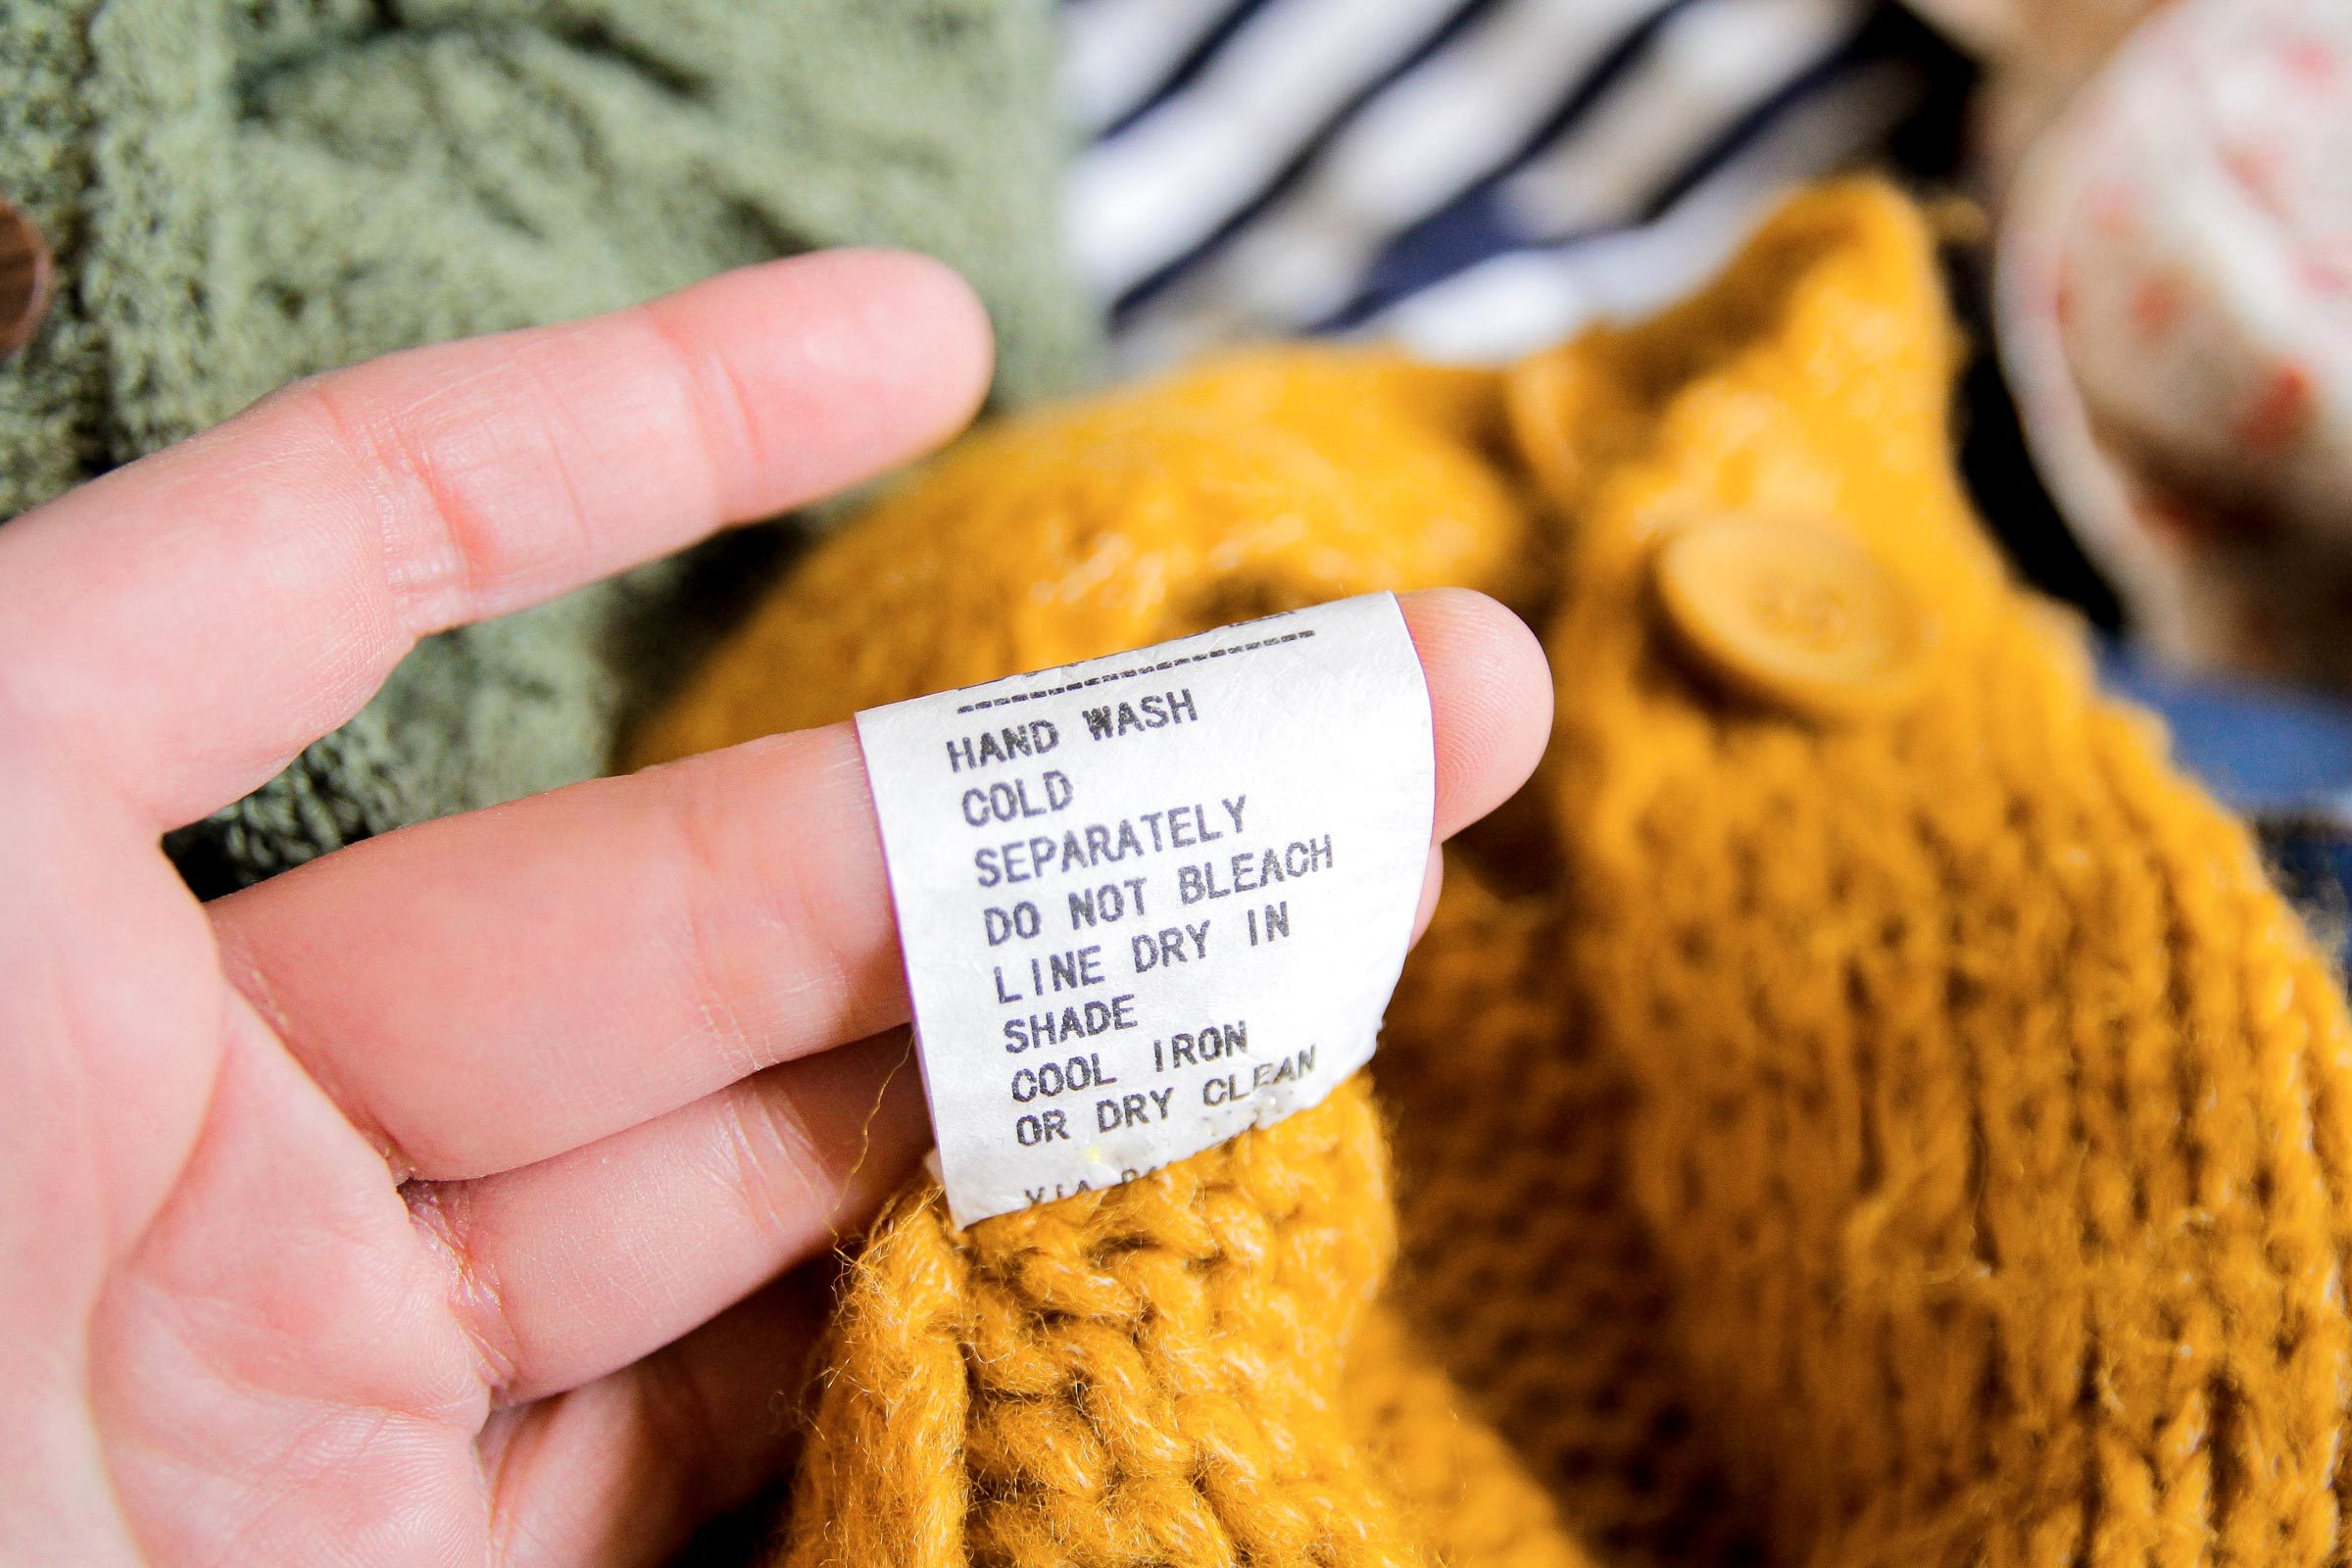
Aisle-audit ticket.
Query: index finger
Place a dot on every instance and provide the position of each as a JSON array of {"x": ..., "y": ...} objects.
[
  {"x": 180, "y": 628},
  {"x": 482, "y": 992}
]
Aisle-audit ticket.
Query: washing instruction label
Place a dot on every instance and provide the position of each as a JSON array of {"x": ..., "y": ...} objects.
[{"x": 1151, "y": 901}]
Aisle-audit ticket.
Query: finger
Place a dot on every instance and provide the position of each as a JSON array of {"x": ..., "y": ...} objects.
[
  {"x": 199, "y": 616},
  {"x": 583, "y": 1263},
  {"x": 1490, "y": 696},
  {"x": 620, "y": 1473},
  {"x": 490, "y": 990},
  {"x": 1433, "y": 886}
]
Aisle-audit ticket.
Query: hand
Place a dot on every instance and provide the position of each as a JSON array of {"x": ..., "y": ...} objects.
[{"x": 423, "y": 1205}]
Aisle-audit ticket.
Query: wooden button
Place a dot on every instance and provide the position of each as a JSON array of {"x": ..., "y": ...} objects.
[
  {"x": 25, "y": 279},
  {"x": 1794, "y": 615}
]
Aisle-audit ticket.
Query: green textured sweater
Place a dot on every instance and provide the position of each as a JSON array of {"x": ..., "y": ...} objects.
[{"x": 242, "y": 193}]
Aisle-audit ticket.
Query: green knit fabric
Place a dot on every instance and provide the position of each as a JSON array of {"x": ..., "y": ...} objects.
[{"x": 240, "y": 192}]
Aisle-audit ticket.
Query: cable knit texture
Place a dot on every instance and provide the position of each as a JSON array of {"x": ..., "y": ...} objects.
[
  {"x": 1914, "y": 1140},
  {"x": 243, "y": 192}
]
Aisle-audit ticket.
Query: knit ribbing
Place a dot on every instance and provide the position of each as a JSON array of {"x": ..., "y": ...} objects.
[
  {"x": 1991, "y": 1104},
  {"x": 1920, "y": 1139}
]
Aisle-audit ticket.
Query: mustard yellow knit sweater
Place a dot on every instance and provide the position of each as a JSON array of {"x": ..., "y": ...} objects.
[{"x": 1911, "y": 1138}]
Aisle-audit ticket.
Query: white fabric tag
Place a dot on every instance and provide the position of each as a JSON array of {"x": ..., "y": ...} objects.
[{"x": 1151, "y": 901}]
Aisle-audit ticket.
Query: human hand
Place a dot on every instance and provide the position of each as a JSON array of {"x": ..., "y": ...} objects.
[{"x": 422, "y": 1204}]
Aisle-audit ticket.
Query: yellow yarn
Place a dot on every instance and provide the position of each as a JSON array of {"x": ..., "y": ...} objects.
[
  {"x": 1920, "y": 1139},
  {"x": 1274, "y": 481}
]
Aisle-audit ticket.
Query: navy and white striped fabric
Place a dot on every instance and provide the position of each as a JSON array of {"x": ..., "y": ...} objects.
[
  {"x": 1477, "y": 178},
  {"x": 1472, "y": 177}
]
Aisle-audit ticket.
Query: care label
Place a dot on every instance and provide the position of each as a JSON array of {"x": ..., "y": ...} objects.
[{"x": 1151, "y": 901}]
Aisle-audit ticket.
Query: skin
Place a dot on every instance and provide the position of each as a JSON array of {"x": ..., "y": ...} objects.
[{"x": 428, "y": 1204}]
